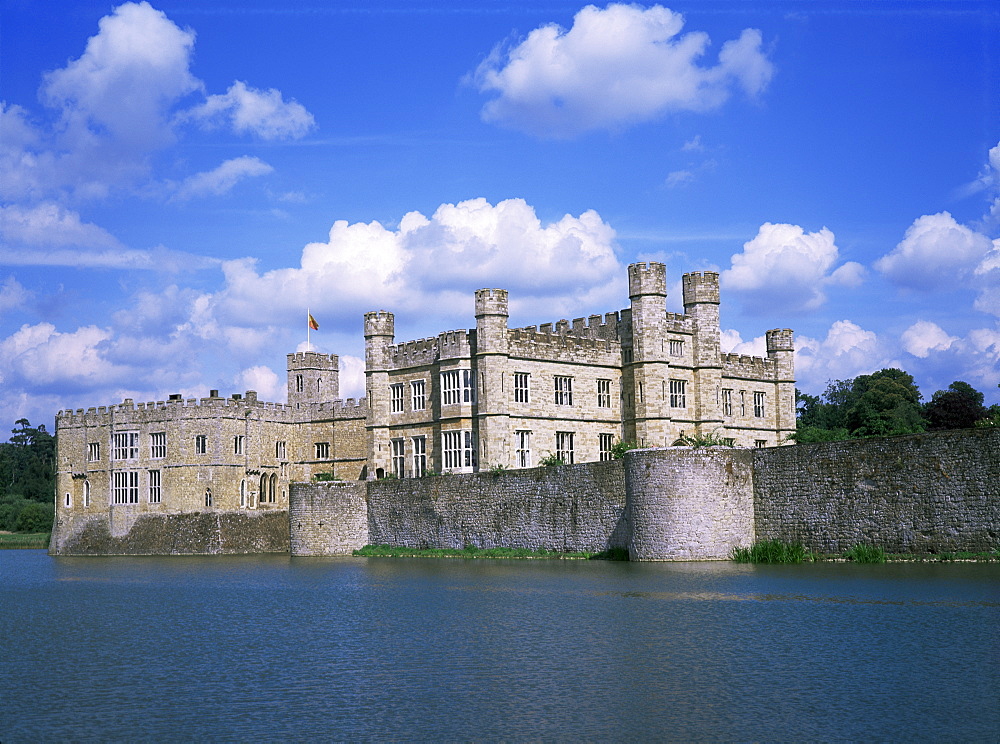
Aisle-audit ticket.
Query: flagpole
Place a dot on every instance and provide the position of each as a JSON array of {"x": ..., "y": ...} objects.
[{"x": 308, "y": 329}]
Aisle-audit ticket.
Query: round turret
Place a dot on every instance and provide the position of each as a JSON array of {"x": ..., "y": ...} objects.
[
  {"x": 780, "y": 339},
  {"x": 380, "y": 323},
  {"x": 491, "y": 302}
]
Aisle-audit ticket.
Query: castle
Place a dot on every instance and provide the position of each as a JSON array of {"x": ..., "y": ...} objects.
[{"x": 459, "y": 402}]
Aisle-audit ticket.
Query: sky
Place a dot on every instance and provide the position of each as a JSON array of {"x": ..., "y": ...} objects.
[{"x": 181, "y": 181}]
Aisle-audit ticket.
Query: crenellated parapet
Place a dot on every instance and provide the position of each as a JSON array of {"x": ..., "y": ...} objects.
[
  {"x": 417, "y": 353},
  {"x": 749, "y": 367},
  {"x": 647, "y": 279},
  {"x": 780, "y": 339},
  {"x": 350, "y": 408},
  {"x": 174, "y": 408},
  {"x": 532, "y": 343},
  {"x": 454, "y": 345},
  {"x": 700, "y": 287}
]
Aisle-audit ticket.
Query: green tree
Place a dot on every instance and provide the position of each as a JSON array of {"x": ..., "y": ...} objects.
[
  {"x": 958, "y": 407},
  {"x": 35, "y": 517},
  {"x": 27, "y": 462},
  {"x": 884, "y": 403}
]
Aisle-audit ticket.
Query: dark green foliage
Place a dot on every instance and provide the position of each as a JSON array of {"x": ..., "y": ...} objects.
[
  {"x": 35, "y": 517},
  {"x": 611, "y": 554},
  {"x": 958, "y": 407},
  {"x": 772, "y": 551},
  {"x": 551, "y": 460},
  {"x": 618, "y": 450},
  {"x": 703, "y": 440},
  {"x": 27, "y": 463},
  {"x": 885, "y": 403},
  {"x": 865, "y": 554}
]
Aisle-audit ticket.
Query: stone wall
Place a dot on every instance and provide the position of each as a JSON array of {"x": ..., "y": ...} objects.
[
  {"x": 922, "y": 493},
  {"x": 204, "y": 533},
  {"x": 574, "y": 507},
  {"x": 328, "y": 518},
  {"x": 689, "y": 503}
]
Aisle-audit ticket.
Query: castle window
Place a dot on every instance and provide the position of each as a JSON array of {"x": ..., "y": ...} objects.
[
  {"x": 676, "y": 348},
  {"x": 604, "y": 393},
  {"x": 273, "y": 489},
  {"x": 760, "y": 443},
  {"x": 418, "y": 395},
  {"x": 158, "y": 445},
  {"x": 678, "y": 396},
  {"x": 279, "y": 450},
  {"x": 521, "y": 387},
  {"x": 86, "y": 493},
  {"x": 458, "y": 386},
  {"x": 758, "y": 405},
  {"x": 243, "y": 492},
  {"x": 67, "y": 501},
  {"x": 299, "y": 384},
  {"x": 419, "y": 456},
  {"x": 93, "y": 451},
  {"x": 564, "y": 390},
  {"x": 208, "y": 497},
  {"x": 522, "y": 452},
  {"x": 605, "y": 443},
  {"x": 398, "y": 456},
  {"x": 154, "y": 486},
  {"x": 743, "y": 402},
  {"x": 564, "y": 446},
  {"x": 125, "y": 487},
  {"x": 727, "y": 402},
  {"x": 200, "y": 444},
  {"x": 322, "y": 450},
  {"x": 239, "y": 444},
  {"x": 459, "y": 449},
  {"x": 627, "y": 356},
  {"x": 396, "y": 398},
  {"x": 124, "y": 445}
]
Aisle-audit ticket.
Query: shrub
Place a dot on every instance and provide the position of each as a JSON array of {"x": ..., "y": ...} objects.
[
  {"x": 865, "y": 554},
  {"x": 772, "y": 551},
  {"x": 618, "y": 451},
  {"x": 324, "y": 477},
  {"x": 551, "y": 460},
  {"x": 703, "y": 440},
  {"x": 35, "y": 517}
]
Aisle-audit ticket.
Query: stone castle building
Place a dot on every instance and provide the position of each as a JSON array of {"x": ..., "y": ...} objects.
[{"x": 459, "y": 402}]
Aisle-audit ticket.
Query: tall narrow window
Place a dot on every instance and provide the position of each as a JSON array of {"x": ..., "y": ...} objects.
[
  {"x": 398, "y": 457},
  {"x": 676, "y": 348},
  {"x": 521, "y": 387},
  {"x": 564, "y": 446},
  {"x": 208, "y": 497},
  {"x": 200, "y": 444},
  {"x": 758, "y": 405},
  {"x": 564, "y": 390},
  {"x": 522, "y": 451},
  {"x": 678, "y": 397},
  {"x": 86, "y": 493},
  {"x": 93, "y": 451},
  {"x": 243, "y": 492},
  {"x": 125, "y": 445},
  {"x": 396, "y": 398},
  {"x": 158, "y": 445},
  {"x": 604, "y": 393},
  {"x": 727, "y": 402},
  {"x": 418, "y": 395},
  {"x": 154, "y": 486},
  {"x": 743, "y": 402},
  {"x": 419, "y": 456},
  {"x": 605, "y": 443},
  {"x": 280, "y": 450},
  {"x": 299, "y": 384},
  {"x": 322, "y": 450},
  {"x": 239, "y": 444}
]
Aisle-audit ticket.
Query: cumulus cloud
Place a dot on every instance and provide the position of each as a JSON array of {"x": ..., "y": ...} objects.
[
  {"x": 222, "y": 179},
  {"x": 731, "y": 342},
  {"x": 263, "y": 380},
  {"x": 12, "y": 295},
  {"x": 923, "y": 337},
  {"x": 847, "y": 351},
  {"x": 50, "y": 225},
  {"x": 430, "y": 265},
  {"x": 936, "y": 253},
  {"x": 786, "y": 268},
  {"x": 614, "y": 67},
  {"x": 45, "y": 357},
  {"x": 264, "y": 113}
]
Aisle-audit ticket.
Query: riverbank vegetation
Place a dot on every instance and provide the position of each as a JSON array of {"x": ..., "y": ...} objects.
[
  {"x": 17, "y": 540},
  {"x": 470, "y": 551},
  {"x": 776, "y": 551}
]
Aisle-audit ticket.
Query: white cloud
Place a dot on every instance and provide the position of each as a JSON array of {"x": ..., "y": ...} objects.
[
  {"x": 679, "y": 178},
  {"x": 847, "y": 351},
  {"x": 264, "y": 381},
  {"x": 50, "y": 225},
  {"x": 222, "y": 179},
  {"x": 936, "y": 253},
  {"x": 923, "y": 337},
  {"x": 12, "y": 295},
  {"x": 617, "y": 66},
  {"x": 41, "y": 356},
  {"x": 247, "y": 110},
  {"x": 731, "y": 342},
  {"x": 786, "y": 268},
  {"x": 352, "y": 377}
]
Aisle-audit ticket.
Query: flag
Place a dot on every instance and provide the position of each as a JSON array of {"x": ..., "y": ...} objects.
[{"x": 312, "y": 322}]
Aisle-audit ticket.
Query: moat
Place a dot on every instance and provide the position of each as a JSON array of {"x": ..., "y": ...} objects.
[{"x": 272, "y": 647}]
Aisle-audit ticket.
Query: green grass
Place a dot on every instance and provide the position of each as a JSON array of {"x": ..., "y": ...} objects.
[
  {"x": 772, "y": 551},
  {"x": 15, "y": 540},
  {"x": 866, "y": 554},
  {"x": 390, "y": 551}
]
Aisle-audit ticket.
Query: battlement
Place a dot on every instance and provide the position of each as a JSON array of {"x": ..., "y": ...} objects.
[
  {"x": 700, "y": 287},
  {"x": 593, "y": 327},
  {"x": 647, "y": 279},
  {"x": 780, "y": 339},
  {"x": 563, "y": 345},
  {"x": 414, "y": 353},
  {"x": 746, "y": 367},
  {"x": 350, "y": 408},
  {"x": 454, "y": 344},
  {"x": 491, "y": 302},
  {"x": 312, "y": 360},
  {"x": 172, "y": 408},
  {"x": 380, "y": 323}
]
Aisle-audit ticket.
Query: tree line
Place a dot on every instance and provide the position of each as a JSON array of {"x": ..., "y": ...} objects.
[
  {"x": 886, "y": 403},
  {"x": 27, "y": 479}
]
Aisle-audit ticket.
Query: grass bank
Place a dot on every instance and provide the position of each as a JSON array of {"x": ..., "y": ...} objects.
[
  {"x": 775, "y": 551},
  {"x": 16, "y": 540},
  {"x": 389, "y": 551}
]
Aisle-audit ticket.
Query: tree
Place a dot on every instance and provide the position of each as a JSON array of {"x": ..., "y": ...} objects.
[
  {"x": 35, "y": 517},
  {"x": 27, "y": 462},
  {"x": 885, "y": 403},
  {"x": 958, "y": 407}
]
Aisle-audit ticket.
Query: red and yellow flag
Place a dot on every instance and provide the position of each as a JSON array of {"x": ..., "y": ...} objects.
[{"x": 312, "y": 322}]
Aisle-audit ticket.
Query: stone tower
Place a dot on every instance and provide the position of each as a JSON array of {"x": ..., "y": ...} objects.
[
  {"x": 781, "y": 349},
  {"x": 491, "y": 365},
  {"x": 647, "y": 373},
  {"x": 701, "y": 302},
  {"x": 312, "y": 378},
  {"x": 380, "y": 333}
]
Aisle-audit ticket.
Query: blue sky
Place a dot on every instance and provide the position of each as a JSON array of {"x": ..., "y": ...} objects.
[{"x": 180, "y": 180}]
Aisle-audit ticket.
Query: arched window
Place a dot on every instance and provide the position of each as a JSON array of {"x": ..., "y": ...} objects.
[
  {"x": 208, "y": 497},
  {"x": 86, "y": 493},
  {"x": 243, "y": 492},
  {"x": 263, "y": 489},
  {"x": 274, "y": 487}
]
